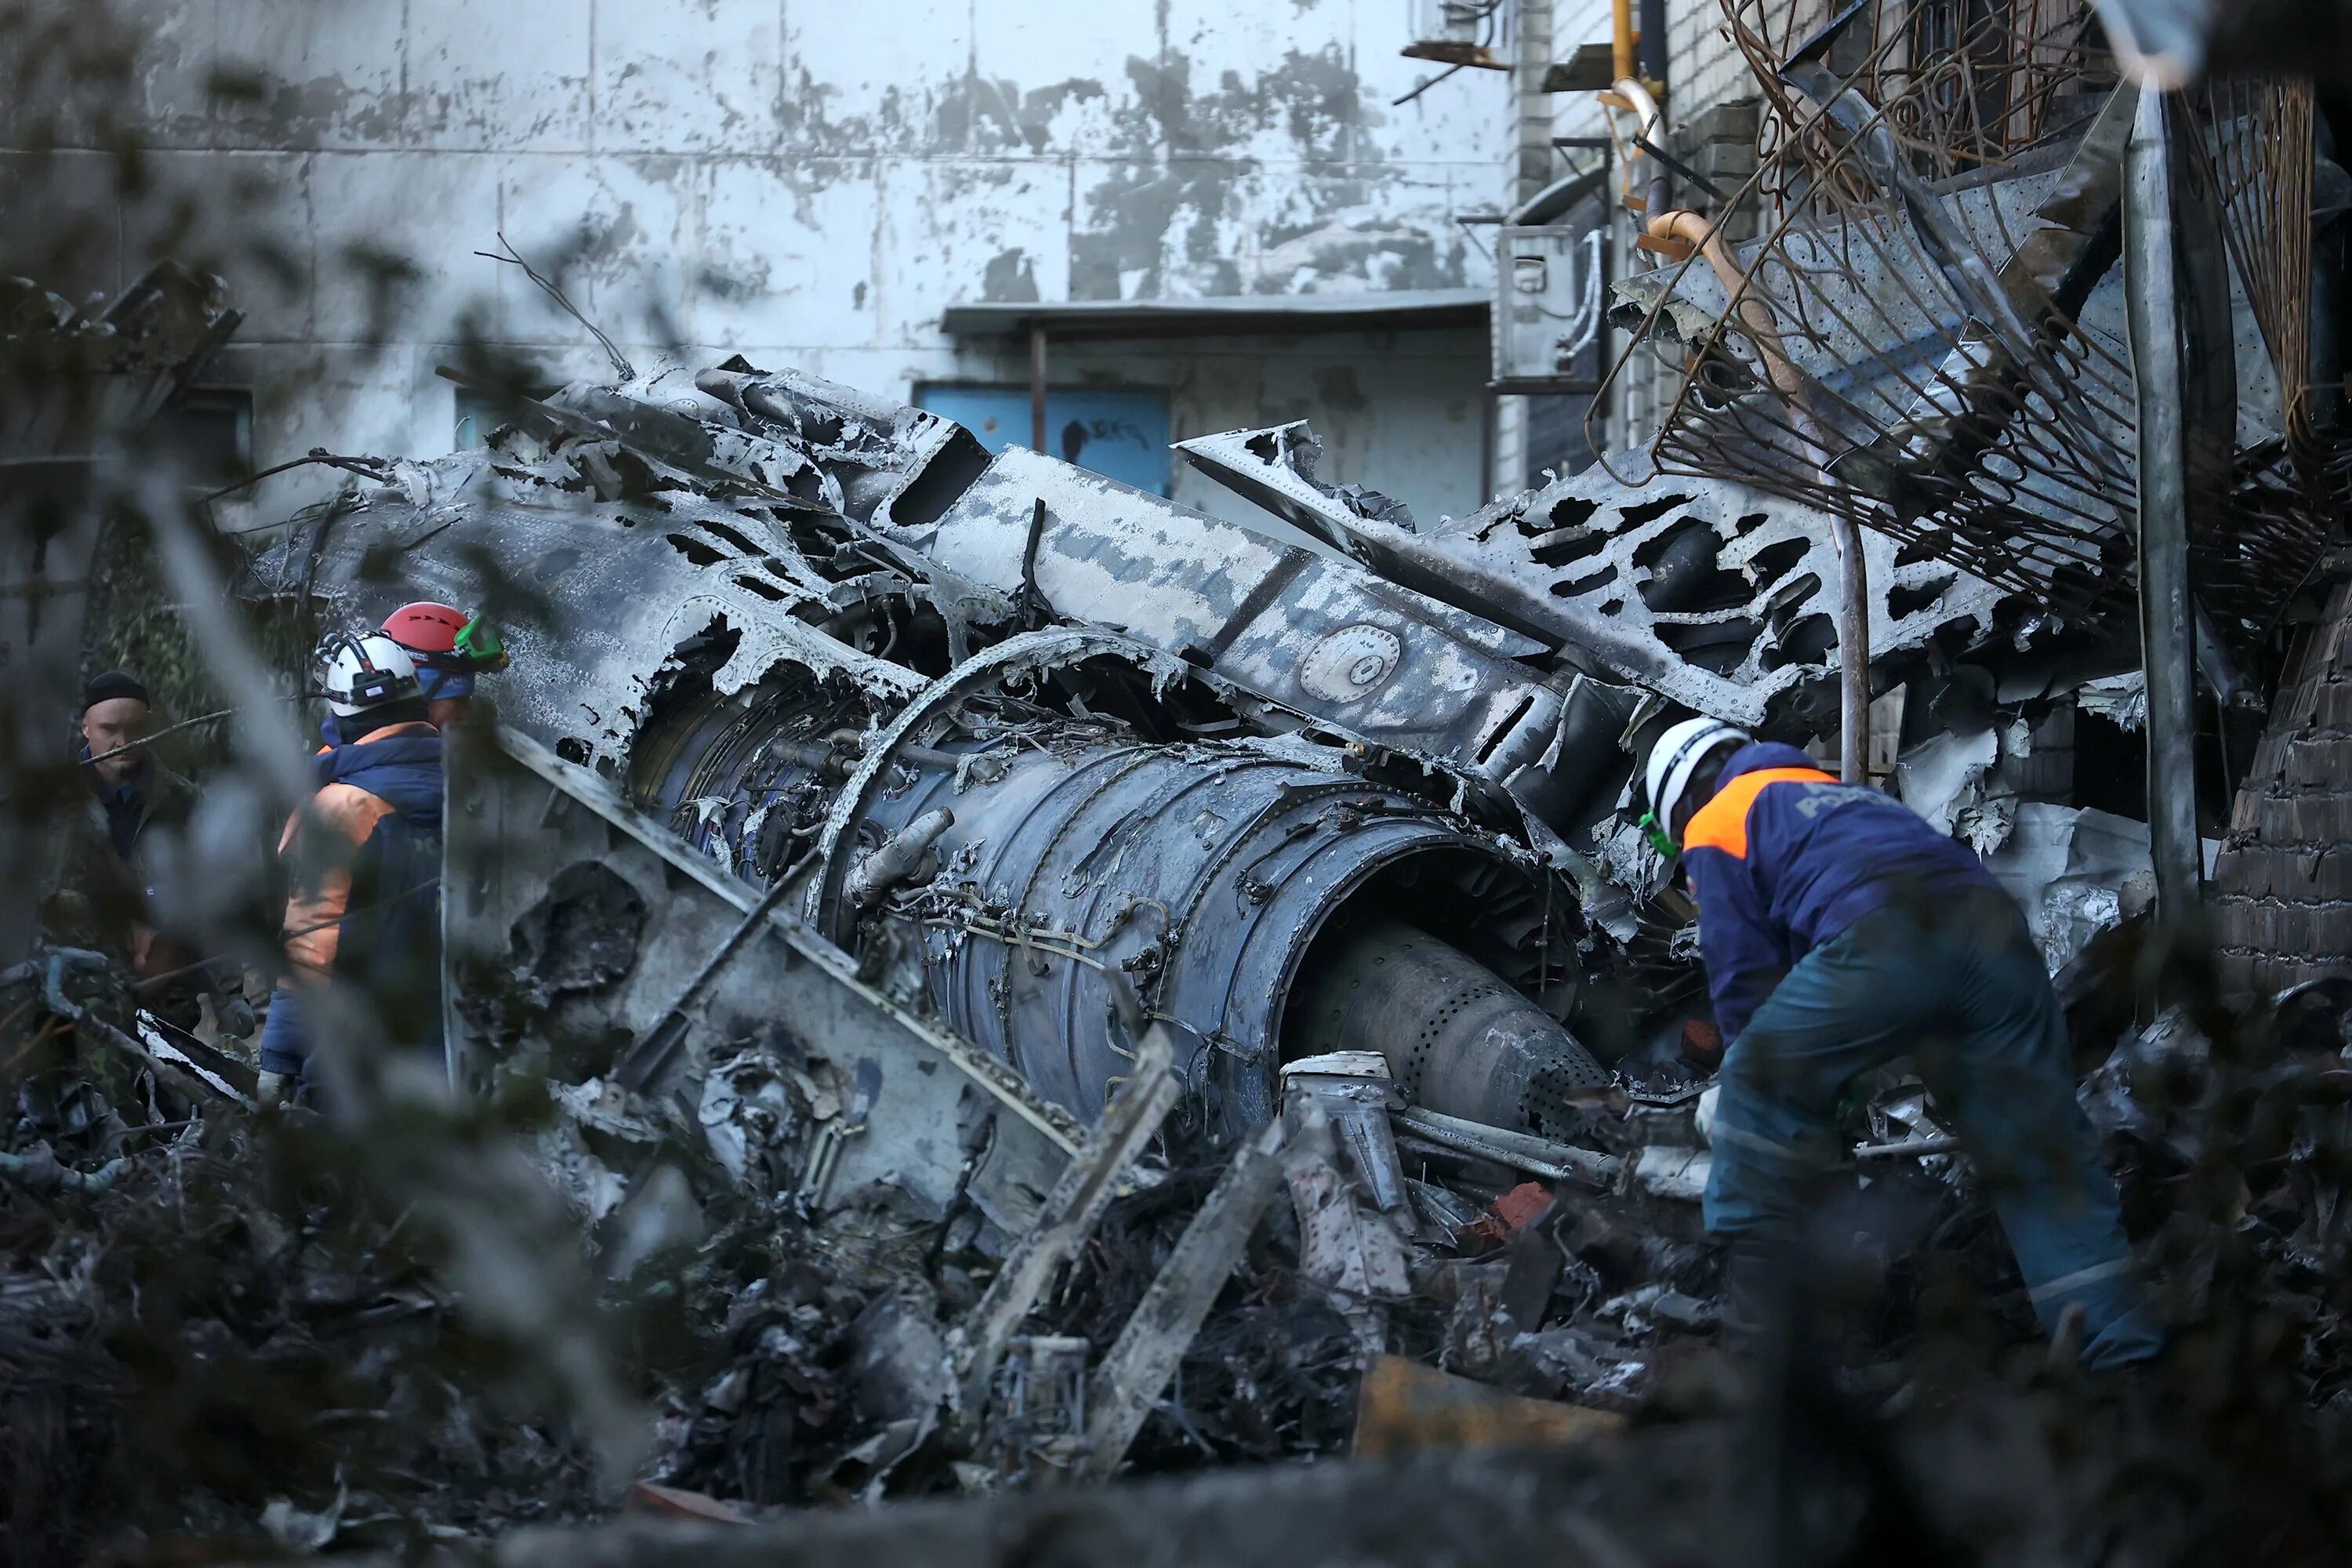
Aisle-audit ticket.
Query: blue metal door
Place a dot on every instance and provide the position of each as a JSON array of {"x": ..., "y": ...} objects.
[{"x": 1119, "y": 432}]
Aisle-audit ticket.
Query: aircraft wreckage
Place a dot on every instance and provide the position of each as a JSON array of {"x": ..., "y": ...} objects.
[
  {"x": 1003, "y": 730},
  {"x": 878, "y": 840}
]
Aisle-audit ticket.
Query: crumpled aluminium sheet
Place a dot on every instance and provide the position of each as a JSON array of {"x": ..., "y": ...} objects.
[
  {"x": 1941, "y": 777},
  {"x": 2069, "y": 868},
  {"x": 2122, "y": 699}
]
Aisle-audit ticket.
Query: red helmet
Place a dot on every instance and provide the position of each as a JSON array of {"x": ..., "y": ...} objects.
[{"x": 425, "y": 627}]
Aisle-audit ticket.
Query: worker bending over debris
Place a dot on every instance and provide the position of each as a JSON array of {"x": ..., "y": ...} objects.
[
  {"x": 363, "y": 856},
  {"x": 1839, "y": 932}
]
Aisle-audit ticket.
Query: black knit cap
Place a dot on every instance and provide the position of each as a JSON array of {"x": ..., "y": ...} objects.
[{"x": 112, "y": 684}]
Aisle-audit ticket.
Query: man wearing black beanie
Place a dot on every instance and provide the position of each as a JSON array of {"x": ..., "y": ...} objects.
[{"x": 113, "y": 721}]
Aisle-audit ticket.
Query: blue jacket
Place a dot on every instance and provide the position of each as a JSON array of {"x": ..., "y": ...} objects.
[
  {"x": 364, "y": 908},
  {"x": 1784, "y": 857}
]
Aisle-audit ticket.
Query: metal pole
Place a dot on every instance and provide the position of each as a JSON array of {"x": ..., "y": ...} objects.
[
  {"x": 1534, "y": 105},
  {"x": 1037, "y": 387},
  {"x": 1514, "y": 465},
  {"x": 2152, "y": 292},
  {"x": 1653, "y": 56},
  {"x": 1853, "y": 653}
]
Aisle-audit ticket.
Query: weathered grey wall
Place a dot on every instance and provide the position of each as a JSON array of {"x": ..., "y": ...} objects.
[{"x": 813, "y": 183}]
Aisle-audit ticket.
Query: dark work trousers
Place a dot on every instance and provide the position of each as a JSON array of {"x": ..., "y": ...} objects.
[{"x": 1958, "y": 986}]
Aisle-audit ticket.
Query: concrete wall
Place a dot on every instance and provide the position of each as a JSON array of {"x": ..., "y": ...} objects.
[{"x": 808, "y": 183}]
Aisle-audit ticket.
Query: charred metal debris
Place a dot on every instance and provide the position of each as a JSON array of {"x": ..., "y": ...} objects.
[
  {"x": 1042, "y": 981},
  {"x": 953, "y": 899}
]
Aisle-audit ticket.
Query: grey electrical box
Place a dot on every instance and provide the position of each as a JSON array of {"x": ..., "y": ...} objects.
[{"x": 1551, "y": 286}]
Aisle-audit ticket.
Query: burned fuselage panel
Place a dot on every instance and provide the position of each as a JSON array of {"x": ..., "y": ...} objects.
[{"x": 1712, "y": 595}]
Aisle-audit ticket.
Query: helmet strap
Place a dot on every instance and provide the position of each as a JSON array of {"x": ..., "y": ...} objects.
[{"x": 1656, "y": 833}]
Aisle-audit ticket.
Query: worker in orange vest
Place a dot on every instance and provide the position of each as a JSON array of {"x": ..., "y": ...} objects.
[
  {"x": 363, "y": 856},
  {"x": 1841, "y": 932}
]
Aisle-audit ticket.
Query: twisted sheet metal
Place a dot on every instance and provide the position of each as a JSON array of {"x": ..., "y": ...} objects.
[
  {"x": 2259, "y": 151},
  {"x": 2259, "y": 154},
  {"x": 1927, "y": 339},
  {"x": 1884, "y": 379}
]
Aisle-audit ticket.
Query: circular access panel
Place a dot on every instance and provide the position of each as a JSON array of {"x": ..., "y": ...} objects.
[{"x": 1350, "y": 664}]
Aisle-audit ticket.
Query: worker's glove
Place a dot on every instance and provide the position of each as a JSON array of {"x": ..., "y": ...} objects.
[
  {"x": 271, "y": 1090},
  {"x": 235, "y": 1016}
]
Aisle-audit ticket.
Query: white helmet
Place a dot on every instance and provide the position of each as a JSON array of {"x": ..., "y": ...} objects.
[
  {"x": 1673, "y": 760},
  {"x": 366, "y": 671}
]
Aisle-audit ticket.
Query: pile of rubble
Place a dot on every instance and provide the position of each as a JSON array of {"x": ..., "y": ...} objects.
[
  {"x": 181, "y": 1270},
  {"x": 210, "y": 1329},
  {"x": 1012, "y": 981}
]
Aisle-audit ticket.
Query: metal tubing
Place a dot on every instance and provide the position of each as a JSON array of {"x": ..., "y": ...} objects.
[
  {"x": 1853, "y": 653},
  {"x": 1700, "y": 233},
  {"x": 1534, "y": 104},
  {"x": 2167, "y": 648},
  {"x": 1037, "y": 387},
  {"x": 1651, "y": 38},
  {"x": 1543, "y": 1156},
  {"x": 1652, "y": 120}
]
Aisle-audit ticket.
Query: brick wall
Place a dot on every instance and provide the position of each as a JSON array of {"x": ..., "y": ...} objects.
[{"x": 2283, "y": 885}]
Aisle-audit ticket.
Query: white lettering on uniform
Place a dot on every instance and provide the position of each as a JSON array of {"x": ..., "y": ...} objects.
[{"x": 1822, "y": 798}]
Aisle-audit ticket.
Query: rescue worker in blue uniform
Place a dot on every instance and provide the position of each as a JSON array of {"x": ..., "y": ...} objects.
[
  {"x": 363, "y": 862},
  {"x": 1839, "y": 932}
]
